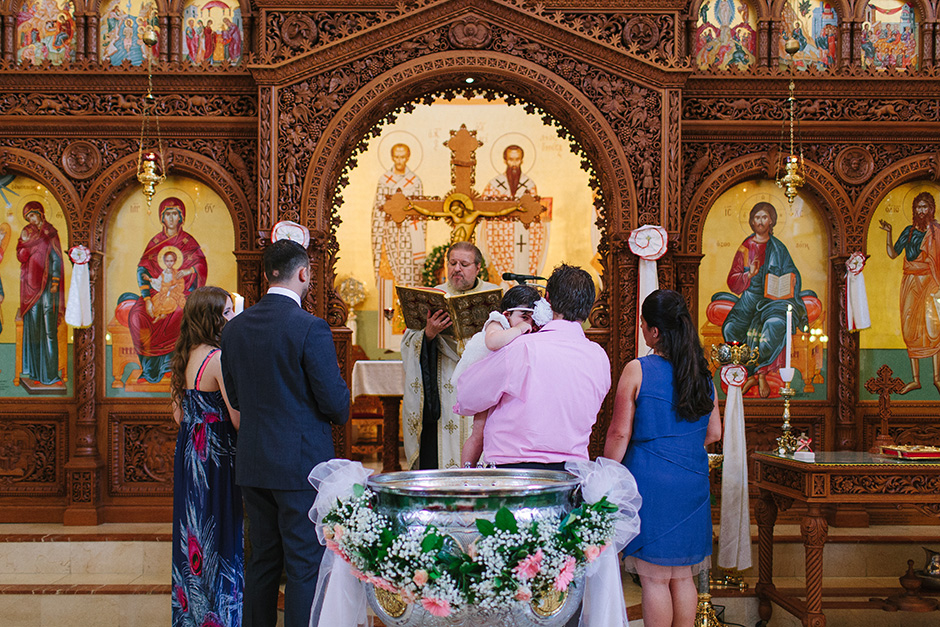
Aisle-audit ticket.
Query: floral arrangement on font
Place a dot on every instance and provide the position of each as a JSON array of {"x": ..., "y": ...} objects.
[{"x": 509, "y": 563}]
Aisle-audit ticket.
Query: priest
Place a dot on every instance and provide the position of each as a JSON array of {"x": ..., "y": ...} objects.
[{"x": 433, "y": 433}]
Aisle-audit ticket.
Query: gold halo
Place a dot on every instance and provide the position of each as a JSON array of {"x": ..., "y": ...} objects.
[
  {"x": 170, "y": 249},
  {"x": 508, "y": 139},
  {"x": 399, "y": 137},
  {"x": 164, "y": 192},
  {"x": 779, "y": 202},
  {"x": 908, "y": 203}
]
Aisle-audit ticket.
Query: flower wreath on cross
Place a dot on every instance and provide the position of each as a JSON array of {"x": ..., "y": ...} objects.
[{"x": 434, "y": 262}]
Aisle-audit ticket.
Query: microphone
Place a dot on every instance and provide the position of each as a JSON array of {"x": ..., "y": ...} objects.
[{"x": 521, "y": 278}]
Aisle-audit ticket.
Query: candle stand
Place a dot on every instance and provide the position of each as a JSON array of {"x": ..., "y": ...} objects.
[{"x": 786, "y": 443}]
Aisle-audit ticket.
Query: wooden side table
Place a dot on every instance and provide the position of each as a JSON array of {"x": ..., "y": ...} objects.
[{"x": 835, "y": 477}]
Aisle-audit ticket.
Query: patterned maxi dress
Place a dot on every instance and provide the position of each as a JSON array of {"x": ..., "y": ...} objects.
[{"x": 208, "y": 553}]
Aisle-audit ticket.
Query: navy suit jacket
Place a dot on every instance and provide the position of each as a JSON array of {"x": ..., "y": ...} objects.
[{"x": 280, "y": 370}]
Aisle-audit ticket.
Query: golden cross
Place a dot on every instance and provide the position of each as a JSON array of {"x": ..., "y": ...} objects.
[{"x": 462, "y": 207}]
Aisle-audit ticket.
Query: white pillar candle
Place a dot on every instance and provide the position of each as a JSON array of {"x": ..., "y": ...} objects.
[
  {"x": 239, "y": 306},
  {"x": 789, "y": 333}
]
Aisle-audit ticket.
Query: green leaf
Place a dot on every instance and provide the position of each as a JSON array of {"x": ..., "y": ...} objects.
[
  {"x": 358, "y": 490},
  {"x": 429, "y": 543},
  {"x": 506, "y": 521},
  {"x": 485, "y": 527}
]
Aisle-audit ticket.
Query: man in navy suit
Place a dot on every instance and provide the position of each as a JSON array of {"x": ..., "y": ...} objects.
[{"x": 280, "y": 370}]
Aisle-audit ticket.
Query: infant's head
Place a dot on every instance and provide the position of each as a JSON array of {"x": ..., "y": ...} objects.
[
  {"x": 169, "y": 259},
  {"x": 518, "y": 303}
]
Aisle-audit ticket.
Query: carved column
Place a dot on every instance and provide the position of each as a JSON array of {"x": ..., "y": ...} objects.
[
  {"x": 84, "y": 470},
  {"x": 926, "y": 44},
  {"x": 9, "y": 22},
  {"x": 250, "y": 275},
  {"x": 843, "y": 362},
  {"x": 845, "y": 44},
  {"x": 79, "y": 37},
  {"x": 164, "y": 25},
  {"x": 176, "y": 23},
  {"x": 267, "y": 168},
  {"x": 936, "y": 43},
  {"x": 687, "y": 265},
  {"x": 91, "y": 40},
  {"x": 772, "y": 43},
  {"x": 765, "y": 36},
  {"x": 672, "y": 160}
]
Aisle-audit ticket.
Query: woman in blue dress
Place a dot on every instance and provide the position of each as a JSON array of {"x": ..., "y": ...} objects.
[
  {"x": 665, "y": 412},
  {"x": 208, "y": 553}
]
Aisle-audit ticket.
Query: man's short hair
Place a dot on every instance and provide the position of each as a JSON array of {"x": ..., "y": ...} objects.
[
  {"x": 282, "y": 259},
  {"x": 477, "y": 255},
  {"x": 571, "y": 292},
  {"x": 513, "y": 147},
  {"x": 399, "y": 145}
]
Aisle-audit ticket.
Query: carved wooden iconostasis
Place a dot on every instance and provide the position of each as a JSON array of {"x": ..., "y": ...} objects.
[{"x": 663, "y": 112}]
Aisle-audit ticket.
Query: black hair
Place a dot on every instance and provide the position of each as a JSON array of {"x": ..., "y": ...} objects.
[
  {"x": 519, "y": 296},
  {"x": 282, "y": 259},
  {"x": 571, "y": 293},
  {"x": 679, "y": 344}
]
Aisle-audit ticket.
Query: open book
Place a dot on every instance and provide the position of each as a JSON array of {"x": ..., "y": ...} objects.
[
  {"x": 468, "y": 311},
  {"x": 779, "y": 287}
]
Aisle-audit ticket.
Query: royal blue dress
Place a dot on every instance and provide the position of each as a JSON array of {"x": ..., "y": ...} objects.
[
  {"x": 208, "y": 552},
  {"x": 667, "y": 457}
]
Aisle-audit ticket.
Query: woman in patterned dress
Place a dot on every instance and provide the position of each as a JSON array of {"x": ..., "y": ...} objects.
[{"x": 208, "y": 555}]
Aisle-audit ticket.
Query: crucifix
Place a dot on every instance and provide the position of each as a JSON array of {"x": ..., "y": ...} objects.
[
  {"x": 883, "y": 385},
  {"x": 462, "y": 207}
]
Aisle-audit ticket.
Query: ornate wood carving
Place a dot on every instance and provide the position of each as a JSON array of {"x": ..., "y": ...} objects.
[
  {"x": 32, "y": 455},
  {"x": 141, "y": 454}
]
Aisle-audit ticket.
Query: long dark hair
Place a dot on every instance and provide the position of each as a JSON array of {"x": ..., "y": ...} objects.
[
  {"x": 202, "y": 324},
  {"x": 679, "y": 344}
]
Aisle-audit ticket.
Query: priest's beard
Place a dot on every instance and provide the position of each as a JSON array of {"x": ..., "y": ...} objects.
[
  {"x": 512, "y": 177},
  {"x": 922, "y": 220}
]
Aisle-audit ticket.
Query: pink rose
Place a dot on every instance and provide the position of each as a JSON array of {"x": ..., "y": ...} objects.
[
  {"x": 529, "y": 567},
  {"x": 436, "y": 607},
  {"x": 407, "y": 595},
  {"x": 566, "y": 575},
  {"x": 420, "y": 578},
  {"x": 591, "y": 552},
  {"x": 523, "y": 594},
  {"x": 338, "y": 531},
  {"x": 327, "y": 532}
]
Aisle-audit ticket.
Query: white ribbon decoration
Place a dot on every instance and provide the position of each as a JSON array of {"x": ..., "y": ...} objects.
[
  {"x": 603, "y": 604},
  {"x": 78, "y": 305},
  {"x": 340, "y": 598},
  {"x": 856, "y": 297},
  {"x": 734, "y": 537},
  {"x": 649, "y": 243}
]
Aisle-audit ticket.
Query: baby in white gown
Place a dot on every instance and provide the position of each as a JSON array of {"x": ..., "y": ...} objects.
[{"x": 523, "y": 311}]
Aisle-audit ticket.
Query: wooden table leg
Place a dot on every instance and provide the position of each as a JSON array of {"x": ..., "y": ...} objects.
[
  {"x": 391, "y": 410},
  {"x": 814, "y": 530},
  {"x": 766, "y": 514}
]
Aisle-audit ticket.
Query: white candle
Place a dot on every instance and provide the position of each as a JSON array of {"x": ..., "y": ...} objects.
[
  {"x": 239, "y": 306},
  {"x": 789, "y": 333}
]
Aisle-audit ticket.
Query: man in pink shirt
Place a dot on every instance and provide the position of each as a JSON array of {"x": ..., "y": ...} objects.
[{"x": 543, "y": 389}]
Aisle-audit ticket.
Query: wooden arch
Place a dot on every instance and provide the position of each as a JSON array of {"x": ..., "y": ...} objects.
[
  {"x": 44, "y": 172},
  {"x": 904, "y": 171},
  {"x": 409, "y": 81},
  {"x": 122, "y": 175}
]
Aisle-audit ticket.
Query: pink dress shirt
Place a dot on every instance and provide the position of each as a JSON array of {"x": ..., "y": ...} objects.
[{"x": 545, "y": 390}]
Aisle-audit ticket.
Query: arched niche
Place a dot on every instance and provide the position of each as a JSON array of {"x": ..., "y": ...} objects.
[
  {"x": 154, "y": 257},
  {"x": 448, "y": 71}
]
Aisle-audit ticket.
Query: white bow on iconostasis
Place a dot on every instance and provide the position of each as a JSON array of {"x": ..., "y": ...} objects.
[
  {"x": 856, "y": 298},
  {"x": 78, "y": 305},
  {"x": 649, "y": 243}
]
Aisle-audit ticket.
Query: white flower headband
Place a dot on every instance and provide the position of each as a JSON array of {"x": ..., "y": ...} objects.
[{"x": 541, "y": 312}]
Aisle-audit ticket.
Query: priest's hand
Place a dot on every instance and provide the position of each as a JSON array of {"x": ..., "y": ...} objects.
[{"x": 437, "y": 322}]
